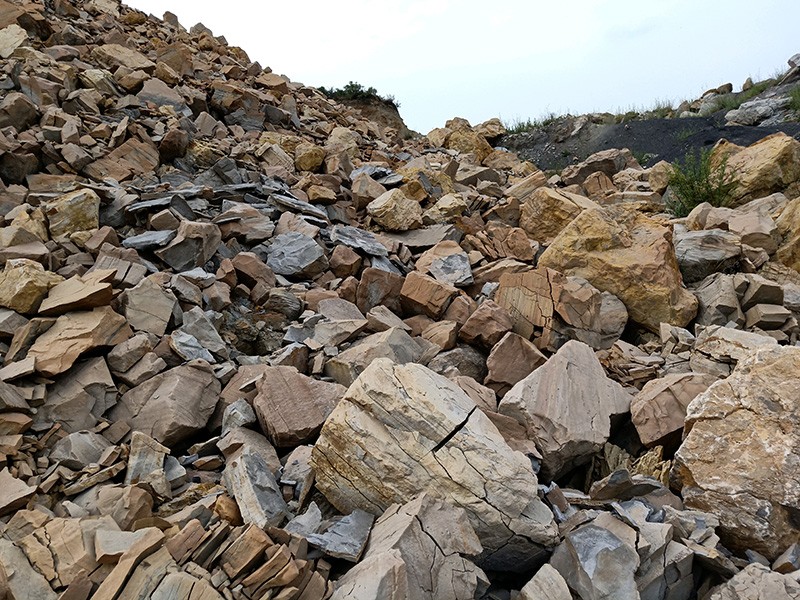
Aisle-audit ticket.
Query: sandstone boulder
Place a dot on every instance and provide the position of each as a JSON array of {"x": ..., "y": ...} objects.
[
  {"x": 57, "y": 349},
  {"x": 73, "y": 212},
  {"x": 757, "y": 582},
  {"x": 402, "y": 429},
  {"x": 292, "y": 407},
  {"x": 172, "y": 405},
  {"x": 394, "y": 211},
  {"x": 739, "y": 457},
  {"x": 24, "y": 284},
  {"x": 629, "y": 255},
  {"x": 566, "y": 407},
  {"x": 547, "y": 211},
  {"x": 770, "y": 165}
]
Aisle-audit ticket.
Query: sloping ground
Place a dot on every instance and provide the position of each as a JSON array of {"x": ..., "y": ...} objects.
[{"x": 572, "y": 139}]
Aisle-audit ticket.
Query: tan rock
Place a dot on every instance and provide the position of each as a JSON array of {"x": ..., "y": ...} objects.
[
  {"x": 292, "y": 407},
  {"x": 79, "y": 293},
  {"x": 149, "y": 307},
  {"x": 24, "y": 284},
  {"x": 788, "y": 224},
  {"x": 770, "y": 165},
  {"x": 547, "y": 583},
  {"x": 566, "y": 406},
  {"x": 739, "y": 456},
  {"x": 610, "y": 162},
  {"x": 511, "y": 360},
  {"x": 115, "y": 55},
  {"x": 432, "y": 539},
  {"x": 468, "y": 141},
  {"x": 14, "y": 493},
  {"x": 522, "y": 189},
  {"x": 658, "y": 176},
  {"x": 308, "y": 157},
  {"x": 757, "y": 582},
  {"x": 73, "y": 212},
  {"x": 659, "y": 409},
  {"x": 172, "y": 405},
  {"x": 630, "y": 256},
  {"x": 394, "y": 344},
  {"x": 57, "y": 349},
  {"x": 415, "y": 431},
  {"x": 547, "y": 211},
  {"x": 487, "y": 325},
  {"x": 422, "y": 294},
  {"x": 394, "y": 211}
]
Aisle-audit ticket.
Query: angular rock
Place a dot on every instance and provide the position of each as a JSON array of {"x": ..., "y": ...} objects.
[
  {"x": 659, "y": 409},
  {"x": 511, "y": 360},
  {"x": 757, "y": 582},
  {"x": 72, "y": 212},
  {"x": 57, "y": 349},
  {"x": 417, "y": 430},
  {"x": 547, "y": 211},
  {"x": 149, "y": 307},
  {"x": 393, "y": 344},
  {"x": 394, "y": 211},
  {"x": 487, "y": 325},
  {"x": 24, "y": 284},
  {"x": 193, "y": 246},
  {"x": 79, "y": 449},
  {"x": 725, "y": 463},
  {"x": 770, "y": 165},
  {"x": 172, "y": 405},
  {"x": 624, "y": 253},
  {"x": 296, "y": 255},
  {"x": 79, "y": 293},
  {"x": 248, "y": 478},
  {"x": 432, "y": 540},
  {"x": 14, "y": 493},
  {"x": 701, "y": 253},
  {"x": 422, "y": 294},
  {"x": 566, "y": 406},
  {"x": 547, "y": 583},
  {"x": 292, "y": 407},
  {"x": 346, "y": 537}
]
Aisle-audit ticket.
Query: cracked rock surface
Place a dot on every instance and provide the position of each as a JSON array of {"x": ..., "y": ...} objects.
[{"x": 403, "y": 429}]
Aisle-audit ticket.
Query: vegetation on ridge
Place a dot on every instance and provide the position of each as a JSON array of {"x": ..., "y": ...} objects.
[
  {"x": 695, "y": 180},
  {"x": 356, "y": 91}
]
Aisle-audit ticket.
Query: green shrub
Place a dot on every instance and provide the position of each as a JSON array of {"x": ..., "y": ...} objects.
[
  {"x": 521, "y": 126},
  {"x": 695, "y": 180},
  {"x": 356, "y": 91},
  {"x": 794, "y": 95}
]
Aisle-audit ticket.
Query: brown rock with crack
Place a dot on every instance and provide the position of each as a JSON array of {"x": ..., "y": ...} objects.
[
  {"x": 659, "y": 409},
  {"x": 79, "y": 293},
  {"x": 547, "y": 211},
  {"x": 292, "y": 407},
  {"x": 24, "y": 284},
  {"x": 422, "y": 294},
  {"x": 740, "y": 454},
  {"x": 57, "y": 349},
  {"x": 402, "y": 429}
]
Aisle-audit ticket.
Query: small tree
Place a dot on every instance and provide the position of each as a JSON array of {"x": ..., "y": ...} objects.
[{"x": 695, "y": 180}]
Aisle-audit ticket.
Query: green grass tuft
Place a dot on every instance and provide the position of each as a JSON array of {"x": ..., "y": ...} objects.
[
  {"x": 356, "y": 91},
  {"x": 695, "y": 180},
  {"x": 794, "y": 95}
]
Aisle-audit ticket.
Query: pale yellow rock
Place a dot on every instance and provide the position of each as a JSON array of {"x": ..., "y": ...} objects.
[
  {"x": 390, "y": 439},
  {"x": 741, "y": 452},
  {"x": 547, "y": 212},
  {"x": 24, "y": 285},
  {"x": 308, "y": 157},
  {"x": 73, "y": 212},
  {"x": 621, "y": 251},
  {"x": 394, "y": 211},
  {"x": 770, "y": 165}
]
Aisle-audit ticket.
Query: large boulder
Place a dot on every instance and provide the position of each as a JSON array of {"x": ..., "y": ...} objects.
[
  {"x": 566, "y": 406},
  {"x": 741, "y": 454},
  {"x": 401, "y": 430},
  {"x": 621, "y": 251},
  {"x": 770, "y": 165},
  {"x": 547, "y": 211},
  {"x": 173, "y": 405},
  {"x": 757, "y": 582}
]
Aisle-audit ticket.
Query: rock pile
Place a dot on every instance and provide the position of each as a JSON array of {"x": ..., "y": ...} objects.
[{"x": 255, "y": 345}]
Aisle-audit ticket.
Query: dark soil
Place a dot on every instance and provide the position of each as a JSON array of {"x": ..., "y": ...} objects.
[{"x": 556, "y": 145}]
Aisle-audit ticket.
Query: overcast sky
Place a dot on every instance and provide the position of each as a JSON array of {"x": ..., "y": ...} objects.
[{"x": 508, "y": 58}]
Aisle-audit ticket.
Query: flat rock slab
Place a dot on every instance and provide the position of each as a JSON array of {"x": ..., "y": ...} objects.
[{"x": 57, "y": 349}]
